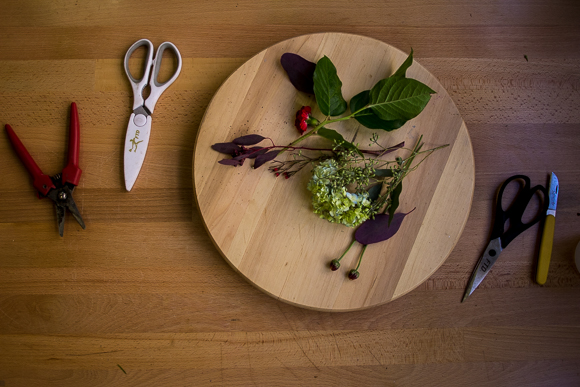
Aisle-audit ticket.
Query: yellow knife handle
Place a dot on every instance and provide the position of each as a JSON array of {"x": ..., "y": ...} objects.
[{"x": 545, "y": 250}]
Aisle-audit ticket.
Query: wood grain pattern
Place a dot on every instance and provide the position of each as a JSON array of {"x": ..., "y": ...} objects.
[
  {"x": 265, "y": 227},
  {"x": 143, "y": 287}
]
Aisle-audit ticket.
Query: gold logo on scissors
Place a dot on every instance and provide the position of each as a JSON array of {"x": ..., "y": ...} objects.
[{"x": 134, "y": 141}]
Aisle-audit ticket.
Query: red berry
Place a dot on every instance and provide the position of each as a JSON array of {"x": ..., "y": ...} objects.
[{"x": 302, "y": 116}]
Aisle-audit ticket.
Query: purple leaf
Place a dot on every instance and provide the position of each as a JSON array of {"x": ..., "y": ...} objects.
[
  {"x": 378, "y": 229},
  {"x": 394, "y": 148},
  {"x": 300, "y": 71},
  {"x": 262, "y": 159},
  {"x": 233, "y": 162},
  {"x": 228, "y": 148},
  {"x": 256, "y": 151},
  {"x": 250, "y": 139},
  {"x": 241, "y": 157},
  {"x": 250, "y": 153}
]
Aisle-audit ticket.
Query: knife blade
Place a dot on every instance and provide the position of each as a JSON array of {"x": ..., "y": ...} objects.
[{"x": 548, "y": 233}]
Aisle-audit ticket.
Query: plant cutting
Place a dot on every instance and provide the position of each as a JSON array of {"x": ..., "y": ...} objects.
[{"x": 350, "y": 185}]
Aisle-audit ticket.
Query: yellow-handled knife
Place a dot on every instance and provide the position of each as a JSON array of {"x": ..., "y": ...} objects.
[{"x": 548, "y": 233}]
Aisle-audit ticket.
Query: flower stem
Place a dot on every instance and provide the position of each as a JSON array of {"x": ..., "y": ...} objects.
[
  {"x": 293, "y": 148},
  {"x": 315, "y": 130},
  {"x": 360, "y": 256},
  {"x": 346, "y": 251},
  {"x": 335, "y": 263},
  {"x": 354, "y": 274},
  {"x": 405, "y": 168}
]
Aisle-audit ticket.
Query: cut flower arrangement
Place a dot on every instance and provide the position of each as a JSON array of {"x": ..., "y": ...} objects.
[{"x": 350, "y": 185}]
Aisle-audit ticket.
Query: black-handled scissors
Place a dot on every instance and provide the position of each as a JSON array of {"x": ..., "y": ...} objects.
[{"x": 500, "y": 237}]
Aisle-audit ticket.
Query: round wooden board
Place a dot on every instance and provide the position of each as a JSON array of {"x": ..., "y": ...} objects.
[{"x": 264, "y": 226}]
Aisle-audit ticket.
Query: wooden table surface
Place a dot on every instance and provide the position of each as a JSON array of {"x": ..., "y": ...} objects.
[{"x": 142, "y": 297}]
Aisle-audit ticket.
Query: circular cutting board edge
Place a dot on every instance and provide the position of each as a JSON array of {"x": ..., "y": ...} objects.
[{"x": 233, "y": 216}]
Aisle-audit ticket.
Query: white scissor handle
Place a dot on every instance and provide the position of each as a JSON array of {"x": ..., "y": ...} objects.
[
  {"x": 158, "y": 88},
  {"x": 139, "y": 84},
  {"x": 150, "y": 73}
]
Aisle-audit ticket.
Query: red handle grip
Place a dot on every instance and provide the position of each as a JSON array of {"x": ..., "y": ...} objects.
[
  {"x": 72, "y": 173},
  {"x": 42, "y": 182}
]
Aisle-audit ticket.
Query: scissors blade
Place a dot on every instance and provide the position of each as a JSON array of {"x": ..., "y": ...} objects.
[
  {"x": 60, "y": 212},
  {"x": 63, "y": 200},
  {"x": 74, "y": 210},
  {"x": 136, "y": 142},
  {"x": 483, "y": 266}
]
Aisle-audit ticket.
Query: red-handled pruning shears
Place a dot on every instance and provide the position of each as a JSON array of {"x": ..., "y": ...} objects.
[{"x": 58, "y": 188}]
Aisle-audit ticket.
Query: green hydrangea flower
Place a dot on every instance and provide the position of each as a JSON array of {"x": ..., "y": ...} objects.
[{"x": 332, "y": 201}]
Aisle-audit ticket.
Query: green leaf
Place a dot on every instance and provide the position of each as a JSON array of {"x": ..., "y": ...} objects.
[
  {"x": 328, "y": 88},
  {"x": 367, "y": 117},
  {"x": 383, "y": 172},
  {"x": 397, "y": 98},
  {"x": 402, "y": 70},
  {"x": 375, "y": 191},
  {"x": 337, "y": 138},
  {"x": 395, "y": 201},
  {"x": 359, "y": 101}
]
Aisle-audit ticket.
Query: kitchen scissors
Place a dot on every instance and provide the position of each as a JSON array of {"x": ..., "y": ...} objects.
[
  {"x": 139, "y": 128},
  {"x": 58, "y": 188},
  {"x": 500, "y": 237}
]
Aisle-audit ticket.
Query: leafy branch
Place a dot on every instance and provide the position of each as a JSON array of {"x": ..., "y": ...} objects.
[{"x": 349, "y": 185}]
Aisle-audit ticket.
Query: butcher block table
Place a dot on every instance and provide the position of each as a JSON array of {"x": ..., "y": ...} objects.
[{"x": 147, "y": 295}]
